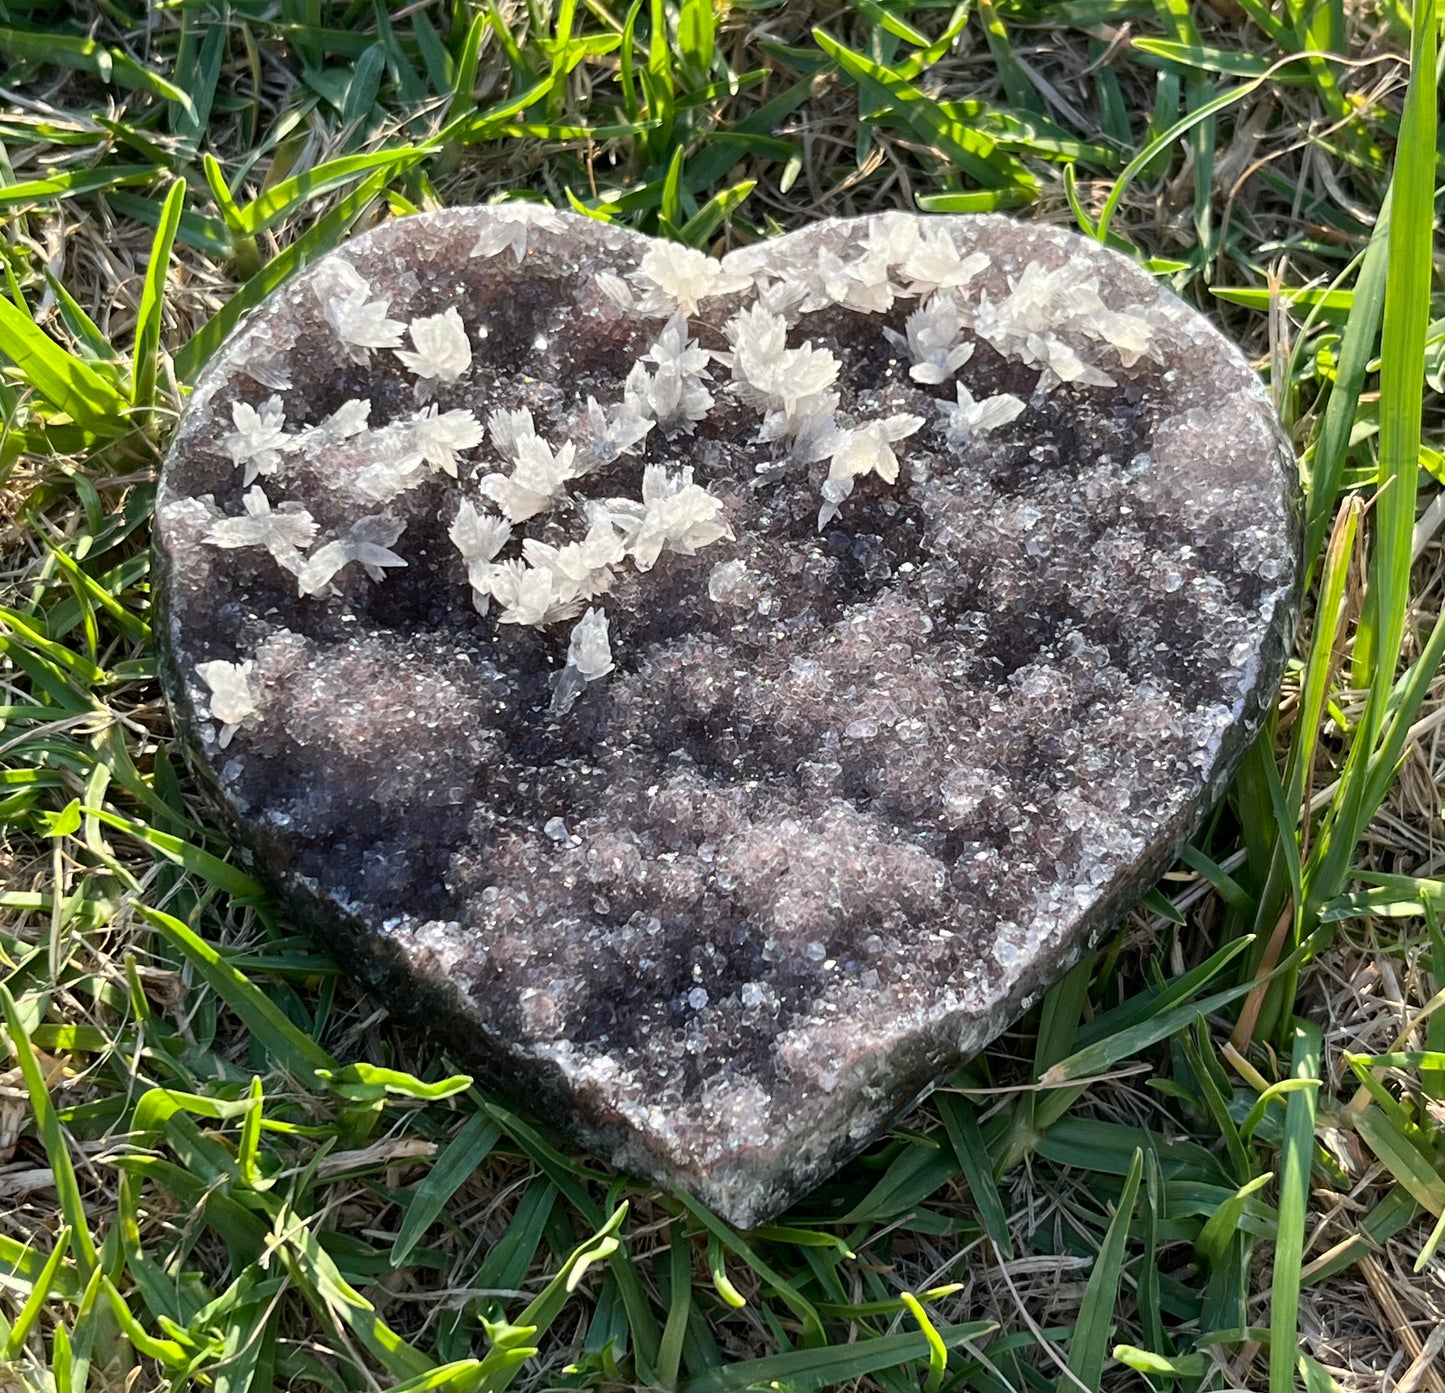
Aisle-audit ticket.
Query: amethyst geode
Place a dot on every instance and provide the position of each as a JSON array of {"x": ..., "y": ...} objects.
[{"x": 717, "y": 697}]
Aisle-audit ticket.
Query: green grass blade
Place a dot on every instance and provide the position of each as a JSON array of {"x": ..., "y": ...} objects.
[
  {"x": 937, "y": 1350},
  {"x": 220, "y": 873},
  {"x": 57, "y": 1149},
  {"x": 1146, "y": 1004},
  {"x": 458, "y": 1159},
  {"x": 86, "y": 55},
  {"x": 696, "y": 40},
  {"x": 283, "y": 199},
  {"x": 40, "y": 1291},
  {"x": 191, "y": 124},
  {"x": 1104, "y": 1054},
  {"x": 464, "y": 79},
  {"x": 540, "y": 1313},
  {"x": 1403, "y": 1160},
  {"x": 319, "y": 1278},
  {"x": 290, "y": 1046},
  {"x": 1152, "y": 150},
  {"x": 1089, "y": 1347},
  {"x": 1295, "y": 1166},
  {"x": 460, "y": 1376},
  {"x": 965, "y": 145},
  {"x": 729, "y": 1238},
  {"x": 148, "y": 318},
  {"x": 1357, "y": 347},
  {"x": 1329, "y": 613},
  {"x": 1402, "y": 350},
  {"x": 221, "y": 194},
  {"x": 1367, "y": 778},
  {"x": 65, "y": 381},
  {"x": 833, "y": 1367},
  {"x": 969, "y": 1147},
  {"x": 679, "y": 1306},
  {"x": 71, "y": 184}
]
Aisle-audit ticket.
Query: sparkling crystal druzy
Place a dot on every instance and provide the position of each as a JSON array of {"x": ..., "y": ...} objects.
[{"x": 717, "y": 697}]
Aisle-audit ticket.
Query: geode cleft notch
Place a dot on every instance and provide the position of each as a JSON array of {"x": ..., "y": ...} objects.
[{"x": 716, "y": 697}]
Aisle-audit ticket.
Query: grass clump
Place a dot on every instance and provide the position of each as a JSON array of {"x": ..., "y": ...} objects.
[{"x": 1211, "y": 1158}]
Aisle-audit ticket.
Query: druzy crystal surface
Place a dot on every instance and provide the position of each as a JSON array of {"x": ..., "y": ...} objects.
[{"x": 716, "y": 696}]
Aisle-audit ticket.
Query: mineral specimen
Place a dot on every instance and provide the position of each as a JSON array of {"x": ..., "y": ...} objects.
[{"x": 716, "y": 697}]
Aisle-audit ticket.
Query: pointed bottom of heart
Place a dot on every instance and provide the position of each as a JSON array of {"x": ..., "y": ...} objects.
[{"x": 746, "y": 1152}]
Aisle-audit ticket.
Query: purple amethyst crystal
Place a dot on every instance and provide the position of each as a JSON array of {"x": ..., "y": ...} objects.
[{"x": 716, "y": 697}]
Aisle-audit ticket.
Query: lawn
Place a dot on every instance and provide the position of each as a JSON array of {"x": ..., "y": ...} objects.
[{"x": 1214, "y": 1155}]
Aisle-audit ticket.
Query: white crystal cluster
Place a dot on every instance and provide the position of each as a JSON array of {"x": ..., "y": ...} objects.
[
  {"x": 509, "y": 227},
  {"x": 441, "y": 351},
  {"x": 1046, "y": 314},
  {"x": 900, "y": 256},
  {"x": 1054, "y": 319},
  {"x": 1041, "y": 320},
  {"x": 546, "y": 584},
  {"x": 232, "y": 696},
  {"x": 361, "y": 323},
  {"x": 676, "y": 280}
]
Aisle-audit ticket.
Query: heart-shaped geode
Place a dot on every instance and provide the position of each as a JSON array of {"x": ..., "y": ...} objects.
[{"x": 715, "y": 815}]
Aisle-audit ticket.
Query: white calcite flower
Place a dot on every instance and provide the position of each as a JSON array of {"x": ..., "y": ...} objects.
[
  {"x": 675, "y": 514},
  {"x": 864, "y": 283},
  {"x": 232, "y": 698},
  {"x": 674, "y": 402},
  {"x": 589, "y": 650},
  {"x": 783, "y": 296},
  {"x": 758, "y": 334},
  {"x": 285, "y": 532},
  {"x": 348, "y": 420},
  {"x": 674, "y": 352},
  {"x": 507, "y": 427},
  {"x": 1052, "y": 318},
  {"x": 580, "y": 570},
  {"x": 589, "y": 657},
  {"x": 868, "y": 449},
  {"x": 368, "y": 543},
  {"x": 360, "y": 323},
  {"x": 437, "y": 437},
  {"x": 539, "y": 474},
  {"x": 790, "y": 385},
  {"x": 872, "y": 279},
  {"x": 262, "y": 360},
  {"x": 511, "y": 224},
  {"x": 970, "y": 417},
  {"x": 529, "y": 595},
  {"x": 933, "y": 263},
  {"x": 893, "y": 237},
  {"x": 259, "y": 437},
  {"x": 550, "y": 583},
  {"x": 479, "y": 537},
  {"x": 394, "y": 469},
  {"x": 931, "y": 338},
  {"x": 1130, "y": 335},
  {"x": 675, "y": 395},
  {"x": 673, "y": 279},
  {"x": 855, "y": 451},
  {"x": 1063, "y": 360},
  {"x": 443, "y": 351},
  {"x": 615, "y": 289},
  {"x": 603, "y": 434}
]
